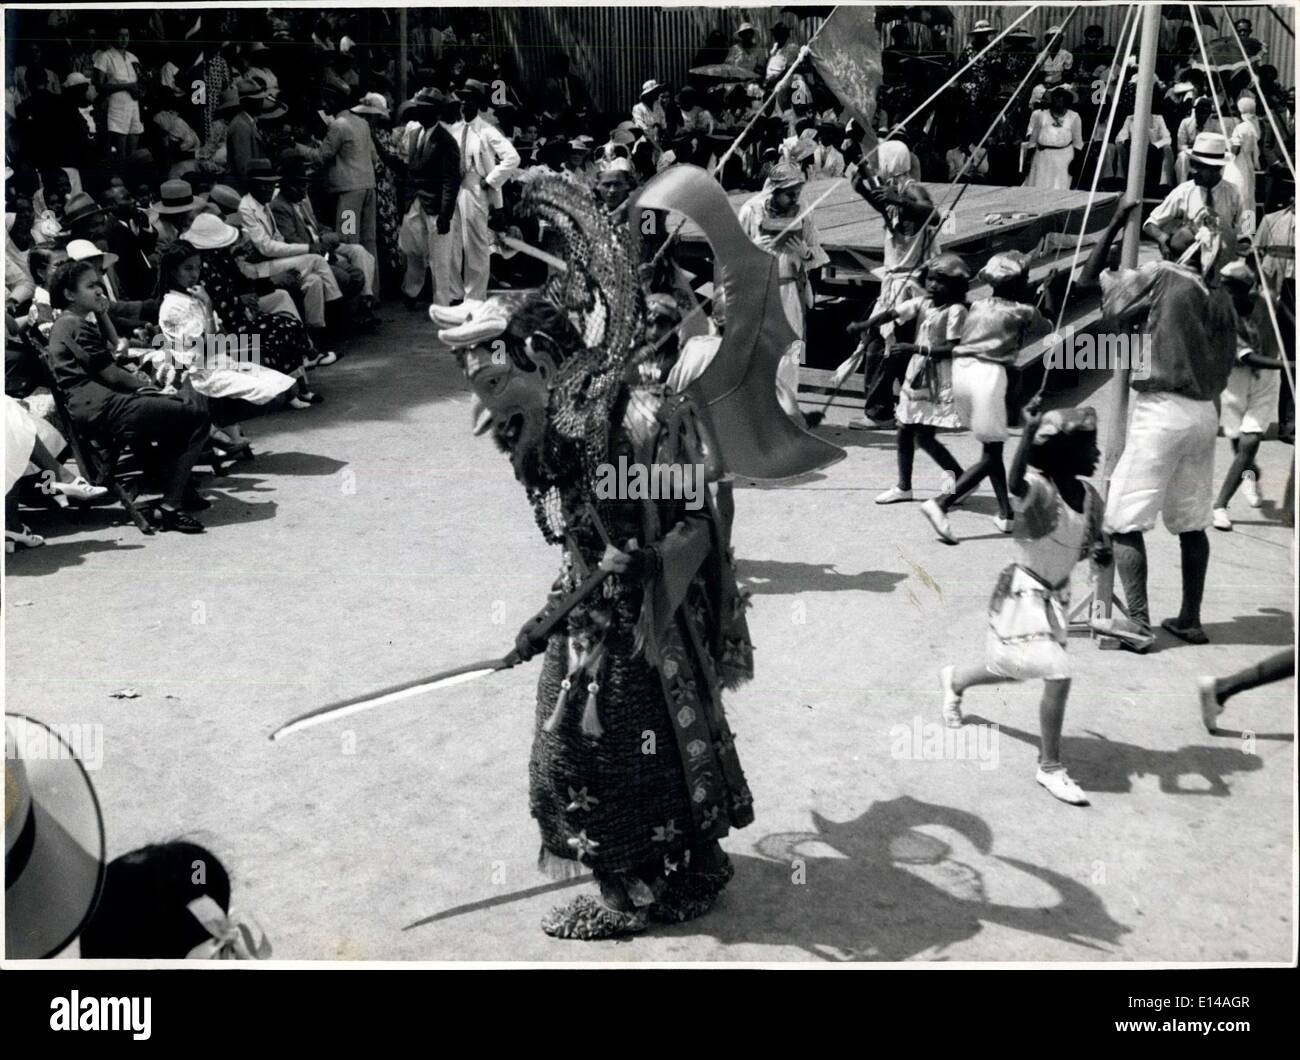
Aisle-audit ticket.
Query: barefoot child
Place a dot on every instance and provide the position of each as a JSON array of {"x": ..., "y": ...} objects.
[
  {"x": 995, "y": 330},
  {"x": 925, "y": 402},
  {"x": 1059, "y": 524}
]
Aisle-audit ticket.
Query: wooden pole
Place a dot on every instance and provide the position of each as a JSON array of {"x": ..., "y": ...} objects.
[
  {"x": 402, "y": 62},
  {"x": 1117, "y": 408}
]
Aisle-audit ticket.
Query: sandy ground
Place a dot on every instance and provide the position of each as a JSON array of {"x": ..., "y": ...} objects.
[{"x": 374, "y": 540}]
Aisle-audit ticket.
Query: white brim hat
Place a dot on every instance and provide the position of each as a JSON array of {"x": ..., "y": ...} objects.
[
  {"x": 54, "y": 842},
  {"x": 1210, "y": 149}
]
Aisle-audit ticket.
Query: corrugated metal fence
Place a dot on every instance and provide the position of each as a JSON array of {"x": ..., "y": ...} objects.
[
  {"x": 1264, "y": 27},
  {"x": 614, "y": 49}
]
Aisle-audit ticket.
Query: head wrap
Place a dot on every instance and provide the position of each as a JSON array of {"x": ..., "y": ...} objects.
[
  {"x": 1082, "y": 420},
  {"x": 1004, "y": 267}
]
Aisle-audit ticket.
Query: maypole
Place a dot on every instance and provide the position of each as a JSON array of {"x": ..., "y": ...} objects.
[{"x": 1116, "y": 414}]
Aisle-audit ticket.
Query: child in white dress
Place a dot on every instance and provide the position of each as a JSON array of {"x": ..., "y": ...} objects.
[
  {"x": 1058, "y": 524},
  {"x": 188, "y": 324}
]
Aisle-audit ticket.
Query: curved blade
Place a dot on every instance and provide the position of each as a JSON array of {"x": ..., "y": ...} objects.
[{"x": 755, "y": 437}]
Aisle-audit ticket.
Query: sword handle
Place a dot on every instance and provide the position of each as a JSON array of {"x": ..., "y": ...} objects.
[{"x": 538, "y": 628}]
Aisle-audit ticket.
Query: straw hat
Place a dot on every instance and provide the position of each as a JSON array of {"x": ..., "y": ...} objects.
[
  {"x": 650, "y": 87},
  {"x": 80, "y": 207},
  {"x": 176, "y": 196},
  {"x": 85, "y": 250},
  {"x": 372, "y": 103},
  {"x": 225, "y": 196},
  {"x": 54, "y": 841},
  {"x": 1210, "y": 149}
]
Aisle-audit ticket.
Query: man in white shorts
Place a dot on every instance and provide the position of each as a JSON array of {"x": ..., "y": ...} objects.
[
  {"x": 117, "y": 79},
  {"x": 1167, "y": 467}
]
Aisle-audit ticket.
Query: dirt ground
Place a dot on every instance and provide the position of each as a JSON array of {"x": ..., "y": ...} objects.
[{"x": 374, "y": 540}]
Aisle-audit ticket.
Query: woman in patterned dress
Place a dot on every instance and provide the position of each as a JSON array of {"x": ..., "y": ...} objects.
[
  {"x": 392, "y": 265},
  {"x": 283, "y": 341}
]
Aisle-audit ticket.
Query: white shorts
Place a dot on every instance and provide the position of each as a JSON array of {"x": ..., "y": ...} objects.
[
  {"x": 1167, "y": 466},
  {"x": 979, "y": 392},
  {"x": 1249, "y": 401},
  {"x": 123, "y": 114}
]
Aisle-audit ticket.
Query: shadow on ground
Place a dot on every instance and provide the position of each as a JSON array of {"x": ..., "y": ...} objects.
[
  {"x": 783, "y": 577},
  {"x": 1111, "y": 767}
]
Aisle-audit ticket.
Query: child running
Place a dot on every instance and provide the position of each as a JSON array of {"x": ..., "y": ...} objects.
[
  {"x": 995, "y": 330},
  {"x": 1250, "y": 400},
  {"x": 1059, "y": 524},
  {"x": 925, "y": 402}
]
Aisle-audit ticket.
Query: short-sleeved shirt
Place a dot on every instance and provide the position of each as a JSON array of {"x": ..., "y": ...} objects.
[
  {"x": 938, "y": 326},
  {"x": 1050, "y": 536},
  {"x": 1277, "y": 230},
  {"x": 1188, "y": 329},
  {"x": 1189, "y": 203},
  {"x": 997, "y": 328}
]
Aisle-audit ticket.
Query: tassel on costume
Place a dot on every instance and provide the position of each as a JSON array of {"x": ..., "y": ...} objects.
[{"x": 590, "y": 718}]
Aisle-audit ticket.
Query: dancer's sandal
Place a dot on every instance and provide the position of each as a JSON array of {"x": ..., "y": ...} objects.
[{"x": 589, "y": 919}]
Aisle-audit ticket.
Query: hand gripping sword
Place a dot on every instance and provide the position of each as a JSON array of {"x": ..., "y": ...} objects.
[{"x": 536, "y": 630}]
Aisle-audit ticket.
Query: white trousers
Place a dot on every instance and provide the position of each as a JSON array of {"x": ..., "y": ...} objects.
[{"x": 471, "y": 254}]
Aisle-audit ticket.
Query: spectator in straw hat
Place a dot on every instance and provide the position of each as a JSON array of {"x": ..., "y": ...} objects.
[
  {"x": 1058, "y": 64},
  {"x": 1202, "y": 119},
  {"x": 1204, "y": 200},
  {"x": 352, "y": 265},
  {"x": 176, "y": 207},
  {"x": 258, "y": 56},
  {"x": 746, "y": 51},
  {"x": 291, "y": 265},
  {"x": 54, "y": 841},
  {"x": 648, "y": 112}
]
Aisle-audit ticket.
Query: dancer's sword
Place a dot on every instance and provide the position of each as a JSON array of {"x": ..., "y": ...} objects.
[{"x": 538, "y": 628}]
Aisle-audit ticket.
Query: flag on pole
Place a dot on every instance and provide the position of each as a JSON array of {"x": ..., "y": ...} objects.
[{"x": 846, "y": 55}]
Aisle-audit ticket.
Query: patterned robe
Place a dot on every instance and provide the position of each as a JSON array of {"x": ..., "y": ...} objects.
[{"x": 632, "y": 775}]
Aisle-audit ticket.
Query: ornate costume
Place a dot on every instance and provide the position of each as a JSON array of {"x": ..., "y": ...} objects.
[{"x": 633, "y": 771}]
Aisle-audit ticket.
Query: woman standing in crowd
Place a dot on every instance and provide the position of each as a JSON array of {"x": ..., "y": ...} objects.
[
  {"x": 374, "y": 108},
  {"x": 1054, "y": 135}
]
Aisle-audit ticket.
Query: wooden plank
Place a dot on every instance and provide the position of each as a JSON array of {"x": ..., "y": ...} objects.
[{"x": 846, "y": 223}]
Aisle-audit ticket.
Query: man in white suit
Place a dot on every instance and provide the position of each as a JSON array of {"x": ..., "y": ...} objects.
[{"x": 487, "y": 159}]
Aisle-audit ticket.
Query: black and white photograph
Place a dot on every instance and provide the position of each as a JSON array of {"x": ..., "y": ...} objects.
[{"x": 660, "y": 485}]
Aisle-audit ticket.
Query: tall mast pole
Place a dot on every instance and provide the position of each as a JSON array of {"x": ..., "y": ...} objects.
[
  {"x": 1138, "y": 142},
  {"x": 1116, "y": 425}
]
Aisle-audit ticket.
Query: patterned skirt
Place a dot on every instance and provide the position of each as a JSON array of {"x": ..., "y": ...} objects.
[{"x": 622, "y": 801}]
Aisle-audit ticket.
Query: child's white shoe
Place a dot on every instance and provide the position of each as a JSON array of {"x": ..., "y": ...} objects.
[
  {"x": 1059, "y": 785},
  {"x": 1211, "y": 708},
  {"x": 1221, "y": 520},
  {"x": 1250, "y": 489},
  {"x": 931, "y": 510},
  {"x": 951, "y": 699},
  {"x": 894, "y": 495},
  {"x": 1004, "y": 526}
]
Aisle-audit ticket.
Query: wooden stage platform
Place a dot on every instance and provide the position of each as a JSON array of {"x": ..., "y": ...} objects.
[{"x": 852, "y": 233}]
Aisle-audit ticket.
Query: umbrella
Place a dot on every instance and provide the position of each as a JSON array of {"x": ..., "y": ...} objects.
[
  {"x": 724, "y": 72},
  {"x": 1224, "y": 56},
  {"x": 1179, "y": 13}
]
